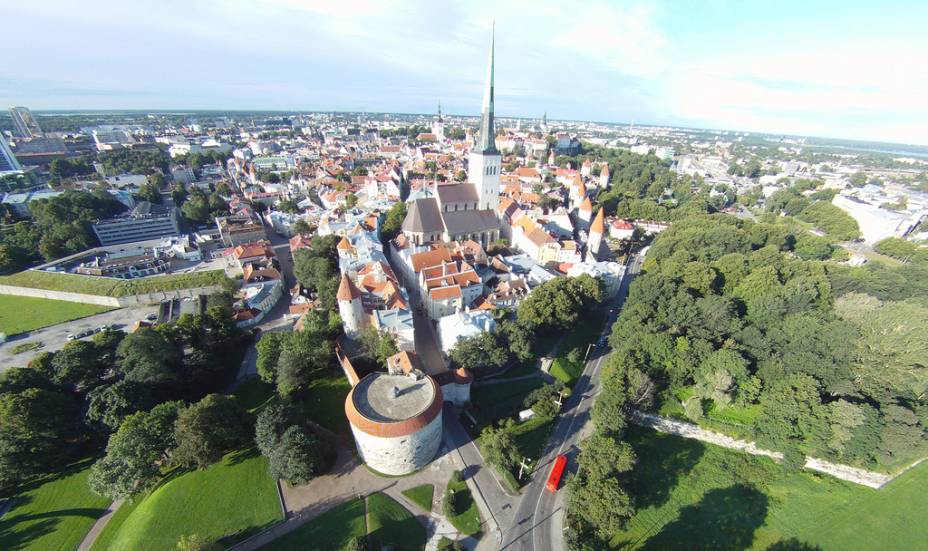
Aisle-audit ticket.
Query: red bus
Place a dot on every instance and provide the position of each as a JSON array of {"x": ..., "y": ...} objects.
[{"x": 556, "y": 472}]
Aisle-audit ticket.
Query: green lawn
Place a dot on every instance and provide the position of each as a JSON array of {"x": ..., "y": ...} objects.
[
  {"x": 22, "y": 314},
  {"x": 111, "y": 287},
  {"x": 230, "y": 500},
  {"x": 495, "y": 401},
  {"x": 330, "y": 531},
  {"x": 585, "y": 333},
  {"x": 391, "y": 524},
  {"x": 53, "y": 513},
  {"x": 325, "y": 402},
  {"x": 106, "y": 537},
  {"x": 467, "y": 521},
  {"x": 704, "y": 497},
  {"x": 254, "y": 394},
  {"x": 421, "y": 496}
]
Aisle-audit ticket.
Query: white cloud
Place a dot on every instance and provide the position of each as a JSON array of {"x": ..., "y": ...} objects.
[{"x": 624, "y": 38}]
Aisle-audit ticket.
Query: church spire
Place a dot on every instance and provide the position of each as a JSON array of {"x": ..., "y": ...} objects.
[
  {"x": 487, "y": 143},
  {"x": 439, "y": 111}
]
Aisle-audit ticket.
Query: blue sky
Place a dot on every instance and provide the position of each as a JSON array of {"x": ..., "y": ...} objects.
[{"x": 842, "y": 69}]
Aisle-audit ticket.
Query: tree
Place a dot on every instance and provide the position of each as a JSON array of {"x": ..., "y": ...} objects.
[
  {"x": 482, "y": 353},
  {"x": 38, "y": 429},
  {"x": 179, "y": 194},
  {"x": 208, "y": 429},
  {"x": 596, "y": 493},
  {"x": 134, "y": 453},
  {"x": 499, "y": 448},
  {"x": 294, "y": 451},
  {"x": 557, "y": 304},
  {"x": 145, "y": 356},
  {"x": 301, "y": 226},
  {"x": 151, "y": 192},
  {"x": 519, "y": 340},
  {"x": 109, "y": 405},
  {"x": 268, "y": 348},
  {"x": 196, "y": 208},
  {"x": 377, "y": 345},
  {"x": 393, "y": 222},
  {"x": 298, "y": 456},
  {"x": 302, "y": 357},
  {"x": 77, "y": 365},
  {"x": 792, "y": 416}
]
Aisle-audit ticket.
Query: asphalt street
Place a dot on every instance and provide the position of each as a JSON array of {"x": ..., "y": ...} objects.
[{"x": 538, "y": 521}]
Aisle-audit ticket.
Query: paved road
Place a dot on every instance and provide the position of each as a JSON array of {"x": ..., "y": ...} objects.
[
  {"x": 539, "y": 519},
  {"x": 54, "y": 337}
]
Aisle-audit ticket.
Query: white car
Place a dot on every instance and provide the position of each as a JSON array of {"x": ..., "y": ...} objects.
[{"x": 70, "y": 337}]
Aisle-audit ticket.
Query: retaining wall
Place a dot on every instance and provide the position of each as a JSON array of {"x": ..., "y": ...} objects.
[{"x": 114, "y": 302}]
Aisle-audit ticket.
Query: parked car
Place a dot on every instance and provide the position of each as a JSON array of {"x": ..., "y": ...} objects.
[
  {"x": 151, "y": 317},
  {"x": 70, "y": 337}
]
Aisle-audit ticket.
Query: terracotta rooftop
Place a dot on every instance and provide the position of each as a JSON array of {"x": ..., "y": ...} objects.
[{"x": 347, "y": 290}]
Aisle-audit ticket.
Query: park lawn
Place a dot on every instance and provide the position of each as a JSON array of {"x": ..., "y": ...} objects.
[
  {"x": 112, "y": 287},
  {"x": 422, "y": 496},
  {"x": 227, "y": 501},
  {"x": 324, "y": 402},
  {"x": 391, "y": 524},
  {"x": 330, "y": 531},
  {"x": 492, "y": 402},
  {"x": 55, "y": 512},
  {"x": 468, "y": 521},
  {"x": 713, "y": 498},
  {"x": 108, "y": 534},
  {"x": 23, "y": 314},
  {"x": 254, "y": 395},
  {"x": 585, "y": 333}
]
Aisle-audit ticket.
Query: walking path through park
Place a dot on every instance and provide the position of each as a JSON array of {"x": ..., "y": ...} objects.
[
  {"x": 350, "y": 479},
  {"x": 688, "y": 430},
  {"x": 98, "y": 526}
]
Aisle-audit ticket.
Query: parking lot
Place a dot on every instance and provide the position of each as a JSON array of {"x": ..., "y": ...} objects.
[{"x": 55, "y": 336}]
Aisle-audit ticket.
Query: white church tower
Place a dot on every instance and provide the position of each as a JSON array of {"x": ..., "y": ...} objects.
[
  {"x": 438, "y": 126},
  {"x": 484, "y": 162}
]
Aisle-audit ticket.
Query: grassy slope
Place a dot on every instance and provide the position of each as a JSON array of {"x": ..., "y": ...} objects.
[
  {"x": 391, "y": 524},
  {"x": 111, "y": 287},
  {"x": 325, "y": 402},
  {"x": 421, "y": 495},
  {"x": 236, "y": 497},
  {"x": 710, "y": 497},
  {"x": 41, "y": 313},
  {"x": 330, "y": 531},
  {"x": 53, "y": 513},
  {"x": 586, "y": 332},
  {"x": 493, "y": 402}
]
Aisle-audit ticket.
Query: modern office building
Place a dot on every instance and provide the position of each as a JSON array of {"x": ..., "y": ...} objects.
[
  {"x": 8, "y": 162},
  {"x": 146, "y": 221},
  {"x": 25, "y": 124}
]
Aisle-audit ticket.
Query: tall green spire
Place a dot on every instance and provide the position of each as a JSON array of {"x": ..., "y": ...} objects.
[{"x": 487, "y": 143}]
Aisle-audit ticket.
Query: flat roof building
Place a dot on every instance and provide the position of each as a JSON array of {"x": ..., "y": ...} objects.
[{"x": 146, "y": 221}]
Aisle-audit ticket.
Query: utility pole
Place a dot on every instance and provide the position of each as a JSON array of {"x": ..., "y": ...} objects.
[
  {"x": 587, "y": 355},
  {"x": 523, "y": 466},
  {"x": 559, "y": 400}
]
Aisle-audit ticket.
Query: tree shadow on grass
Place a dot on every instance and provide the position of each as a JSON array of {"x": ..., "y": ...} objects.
[
  {"x": 792, "y": 544},
  {"x": 662, "y": 461},
  {"x": 724, "y": 520},
  {"x": 13, "y": 536},
  {"x": 241, "y": 456}
]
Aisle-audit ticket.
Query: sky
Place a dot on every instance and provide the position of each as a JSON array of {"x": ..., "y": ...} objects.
[{"x": 849, "y": 69}]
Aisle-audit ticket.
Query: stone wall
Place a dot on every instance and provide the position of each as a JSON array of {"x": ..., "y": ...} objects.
[
  {"x": 114, "y": 302},
  {"x": 400, "y": 455}
]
